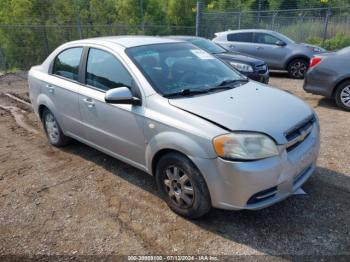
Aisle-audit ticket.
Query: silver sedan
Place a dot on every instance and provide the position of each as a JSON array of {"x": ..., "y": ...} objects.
[
  {"x": 210, "y": 136},
  {"x": 329, "y": 76}
]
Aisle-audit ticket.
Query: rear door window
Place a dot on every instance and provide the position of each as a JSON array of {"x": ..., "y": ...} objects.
[
  {"x": 67, "y": 63},
  {"x": 240, "y": 37},
  {"x": 104, "y": 71}
]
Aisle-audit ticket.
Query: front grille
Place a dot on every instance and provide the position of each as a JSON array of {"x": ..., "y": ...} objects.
[
  {"x": 261, "y": 68},
  {"x": 262, "y": 195},
  {"x": 298, "y": 134}
]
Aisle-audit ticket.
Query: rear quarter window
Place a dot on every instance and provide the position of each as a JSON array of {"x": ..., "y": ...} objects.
[
  {"x": 240, "y": 37},
  {"x": 67, "y": 63}
]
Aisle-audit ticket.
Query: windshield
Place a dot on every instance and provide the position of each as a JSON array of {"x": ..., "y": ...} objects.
[
  {"x": 174, "y": 67},
  {"x": 284, "y": 38},
  {"x": 208, "y": 46}
]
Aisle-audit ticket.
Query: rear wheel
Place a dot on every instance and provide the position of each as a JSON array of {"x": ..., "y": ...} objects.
[
  {"x": 297, "y": 68},
  {"x": 182, "y": 186},
  {"x": 53, "y": 130},
  {"x": 342, "y": 95}
]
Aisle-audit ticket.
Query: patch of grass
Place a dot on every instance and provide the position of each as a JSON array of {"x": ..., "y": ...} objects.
[
  {"x": 9, "y": 71},
  {"x": 335, "y": 43}
]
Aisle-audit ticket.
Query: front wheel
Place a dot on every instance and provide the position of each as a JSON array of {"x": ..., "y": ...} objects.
[
  {"x": 342, "y": 95},
  {"x": 182, "y": 186},
  {"x": 298, "y": 68}
]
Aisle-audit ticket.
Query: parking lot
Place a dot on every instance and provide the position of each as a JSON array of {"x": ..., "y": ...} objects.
[{"x": 77, "y": 200}]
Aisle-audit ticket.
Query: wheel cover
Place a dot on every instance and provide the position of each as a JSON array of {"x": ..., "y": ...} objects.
[
  {"x": 179, "y": 187},
  {"x": 51, "y": 128},
  {"x": 345, "y": 96},
  {"x": 298, "y": 69}
]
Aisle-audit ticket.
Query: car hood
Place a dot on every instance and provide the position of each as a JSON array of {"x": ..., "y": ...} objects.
[
  {"x": 240, "y": 58},
  {"x": 250, "y": 107}
]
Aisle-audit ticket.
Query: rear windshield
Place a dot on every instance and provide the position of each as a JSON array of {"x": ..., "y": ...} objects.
[
  {"x": 208, "y": 46},
  {"x": 345, "y": 50}
]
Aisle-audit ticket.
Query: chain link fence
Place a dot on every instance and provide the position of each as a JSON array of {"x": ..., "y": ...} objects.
[
  {"x": 24, "y": 45},
  {"x": 299, "y": 24},
  {"x": 27, "y": 45}
]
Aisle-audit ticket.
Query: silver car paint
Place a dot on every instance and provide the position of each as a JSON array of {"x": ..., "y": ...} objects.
[
  {"x": 135, "y": 134},
  {"x": 329, "y": 73},
  {"x": 277, "y": 57},
  {"x": 250, "y": 100}
]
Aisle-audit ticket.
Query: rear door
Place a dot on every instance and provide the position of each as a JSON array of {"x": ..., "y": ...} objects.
[
  {"x": 241, "y": 42},
  {"x": 62, "y": 87},
  {"x": 267, "y": 50},
  {"x": 115, "y": 129}
]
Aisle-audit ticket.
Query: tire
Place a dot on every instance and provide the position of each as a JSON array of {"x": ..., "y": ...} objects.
[
  {"x": 182, "y": 186},
  {"x": 297, "y": 68},
  {"x": 53, "y": 130},
  {"x": 342, "y": 95}
]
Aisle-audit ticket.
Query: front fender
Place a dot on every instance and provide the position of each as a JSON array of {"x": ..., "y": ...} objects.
[
  {"x": 178, "y": 142},
  {"x": 295, "y": 56}
]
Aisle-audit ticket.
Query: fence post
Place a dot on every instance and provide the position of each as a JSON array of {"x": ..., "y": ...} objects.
[
  {"x": 239, "y": 19},
  {"x": 77, "y": 13},
  {"x": 328, "y": 14},
  {"x": 273, "y": 20},
  {"x": 3, "y": 59},
  {"x": 198, "y": 17},
  {"x": 46, "y": 41}
]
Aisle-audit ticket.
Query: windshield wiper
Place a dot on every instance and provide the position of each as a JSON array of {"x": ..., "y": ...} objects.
[
  {"x": 231, "y": 82},
  {"x": 187, "y": 92},
  {"x": 226, "y": 84}
]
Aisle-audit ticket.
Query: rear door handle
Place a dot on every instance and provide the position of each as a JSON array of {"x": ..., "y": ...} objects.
[
  {"x": 50, "y": 88},
  {"x": 231, "y": 46},
  {"x": 259, "y": 48},
  {"x": 89, "y": 102}
]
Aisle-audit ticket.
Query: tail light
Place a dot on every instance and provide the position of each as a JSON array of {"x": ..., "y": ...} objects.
[{"x": 314, "y": 61}]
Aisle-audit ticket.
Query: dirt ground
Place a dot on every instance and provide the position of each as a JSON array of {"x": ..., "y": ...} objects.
[{"x": 78, "y": 201}]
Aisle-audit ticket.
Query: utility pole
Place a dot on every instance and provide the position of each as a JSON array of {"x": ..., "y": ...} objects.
[{"x": 198, "y": 17}]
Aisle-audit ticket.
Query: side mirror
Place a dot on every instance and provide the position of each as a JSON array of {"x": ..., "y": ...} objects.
[
  {"x": 280, "y": 43},
  {"x": 121, "y": 95}
]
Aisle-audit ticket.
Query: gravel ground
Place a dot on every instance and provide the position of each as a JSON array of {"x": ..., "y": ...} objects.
[{"x": 78, "y": 201}]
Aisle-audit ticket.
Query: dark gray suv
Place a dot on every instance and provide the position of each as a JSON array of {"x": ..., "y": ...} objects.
[{"x": 277, "y": 50}]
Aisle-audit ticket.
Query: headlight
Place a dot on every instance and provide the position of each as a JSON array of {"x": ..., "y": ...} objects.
[
  {"x": 244, "y": 146},
  {"x": 317, "y": 50},
  {"x": 242, "y": 67}
]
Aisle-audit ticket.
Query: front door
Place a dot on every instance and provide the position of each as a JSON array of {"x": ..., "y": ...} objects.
[
  {"x": 115, "y": 129},
  {"x": 267, "y": 50}
]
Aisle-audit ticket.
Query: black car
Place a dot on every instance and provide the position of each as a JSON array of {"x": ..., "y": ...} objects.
[{"x": 251, "y": 67}]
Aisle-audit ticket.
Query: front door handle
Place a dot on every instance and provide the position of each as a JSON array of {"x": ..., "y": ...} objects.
[
  {"x": 231, "y": 46},
  {"x": 89, "y": 102},
  {"x": 259, "y": 48}
]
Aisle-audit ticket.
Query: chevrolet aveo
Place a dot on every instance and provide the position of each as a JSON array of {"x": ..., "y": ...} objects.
[{"x": 211, "y": 137}]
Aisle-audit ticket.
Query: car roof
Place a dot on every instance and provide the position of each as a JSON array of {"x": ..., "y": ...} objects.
[
  {"x": 246, "y": 31},
  {"x": 184, "y": 37},
  {"x": 128, "y": 41}
]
